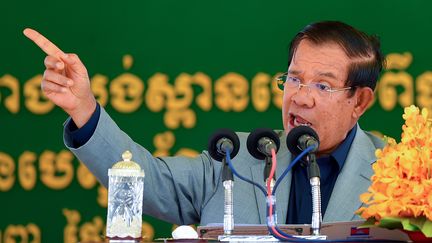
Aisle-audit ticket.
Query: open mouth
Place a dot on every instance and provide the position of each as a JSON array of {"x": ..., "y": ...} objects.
[{"x": 296, "y": 121}]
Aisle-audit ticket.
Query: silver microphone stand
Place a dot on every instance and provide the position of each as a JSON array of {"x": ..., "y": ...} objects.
[
  {"x": 314, "y": 179},
  {"x": 228, "y": 183}
]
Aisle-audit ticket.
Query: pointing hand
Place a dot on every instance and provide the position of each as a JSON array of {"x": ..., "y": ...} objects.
[{"x": 65, "y": 81}]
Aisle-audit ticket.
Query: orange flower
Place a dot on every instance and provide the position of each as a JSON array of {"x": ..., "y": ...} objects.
[{"x": 402, "y": 183}]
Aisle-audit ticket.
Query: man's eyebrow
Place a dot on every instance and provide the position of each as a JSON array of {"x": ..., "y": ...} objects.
[
  {"x": 321, "y": 74},
  {"x": 327, "y": 74},
  {"x": 294, "y": 72}
]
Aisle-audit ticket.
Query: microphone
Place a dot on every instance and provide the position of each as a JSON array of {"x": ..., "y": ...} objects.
[
  {"x": 261, "y": 141},
  {"x": 221, "y": 142},
  {"x": 300, "y": 138}
]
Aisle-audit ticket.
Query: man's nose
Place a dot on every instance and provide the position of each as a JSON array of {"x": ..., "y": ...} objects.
[{"x": 303, "y": 96}]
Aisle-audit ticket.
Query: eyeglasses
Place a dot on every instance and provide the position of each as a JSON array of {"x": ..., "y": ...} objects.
[{"x": 322, "y": 89}]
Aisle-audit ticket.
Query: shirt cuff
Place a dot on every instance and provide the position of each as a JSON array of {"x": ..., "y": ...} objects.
[{"x": 80, "y": 136}]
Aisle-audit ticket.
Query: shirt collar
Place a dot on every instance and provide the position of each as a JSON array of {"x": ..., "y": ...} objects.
[{"x": 341, "y": 152}]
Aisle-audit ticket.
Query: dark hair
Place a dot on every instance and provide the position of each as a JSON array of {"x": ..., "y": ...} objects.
[{"x": 367, "y": 60}]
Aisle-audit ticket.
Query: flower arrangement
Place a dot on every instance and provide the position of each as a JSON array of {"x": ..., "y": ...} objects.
[{"x": 400, "y": 195}]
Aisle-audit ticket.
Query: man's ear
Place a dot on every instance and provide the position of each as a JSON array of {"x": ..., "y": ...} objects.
[{"x": 363, "y": 97}]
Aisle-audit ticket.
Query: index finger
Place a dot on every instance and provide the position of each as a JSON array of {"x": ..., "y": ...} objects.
[{"x": 46, "y": 45}]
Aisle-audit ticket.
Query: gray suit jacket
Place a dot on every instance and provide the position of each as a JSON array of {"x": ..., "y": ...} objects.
[{"x": 184, "y": 190}]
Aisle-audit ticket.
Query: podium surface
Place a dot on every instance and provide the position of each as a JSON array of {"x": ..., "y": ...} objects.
[{"x": 333, "y": 231}]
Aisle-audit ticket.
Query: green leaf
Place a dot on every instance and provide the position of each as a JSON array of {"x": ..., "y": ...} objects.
[
  {"x": 418, "y": 222},
  {"x": 370, "y": 222},
  {"x": 427, "y": 228},
  {"x": 406, "y": 222},
  {"x": 391, "y": 223},
  {"x": 410, "y": 224}
]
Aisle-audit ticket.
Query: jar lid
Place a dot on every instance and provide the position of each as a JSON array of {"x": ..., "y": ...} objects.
[{"x": 127, "y": 163}]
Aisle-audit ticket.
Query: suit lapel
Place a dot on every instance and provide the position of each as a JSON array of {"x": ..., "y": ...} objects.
[
  {"x": 353, "y": 180},
  {"x": 258, "y": 177}
]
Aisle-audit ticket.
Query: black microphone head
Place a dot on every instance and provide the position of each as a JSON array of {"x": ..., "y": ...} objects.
[
  {"x": 255, "y": 136},
  {"x": 220, "y": 134},
  {"x": 294, "y": 135}
]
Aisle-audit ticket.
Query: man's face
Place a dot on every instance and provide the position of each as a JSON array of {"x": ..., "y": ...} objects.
[{"x": 330, "y": 115}]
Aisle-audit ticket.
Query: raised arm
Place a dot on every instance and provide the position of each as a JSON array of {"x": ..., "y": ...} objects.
[{"x": 65, "y": 81}]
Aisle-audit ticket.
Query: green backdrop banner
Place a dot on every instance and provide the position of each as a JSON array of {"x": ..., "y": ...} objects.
[{"x": 170, "y": 73}]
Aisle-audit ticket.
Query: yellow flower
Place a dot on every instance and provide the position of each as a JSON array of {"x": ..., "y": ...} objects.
[{"x": 402, "y": 183}]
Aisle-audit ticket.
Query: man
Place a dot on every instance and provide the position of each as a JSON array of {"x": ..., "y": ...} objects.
[{"x": 333, "y": 70}]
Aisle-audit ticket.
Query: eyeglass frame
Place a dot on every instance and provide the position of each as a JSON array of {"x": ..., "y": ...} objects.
[{"x": 281, "y": 85}]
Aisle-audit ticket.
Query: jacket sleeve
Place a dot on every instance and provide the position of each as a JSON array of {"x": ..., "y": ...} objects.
[{"x": 175, "y": 188}]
